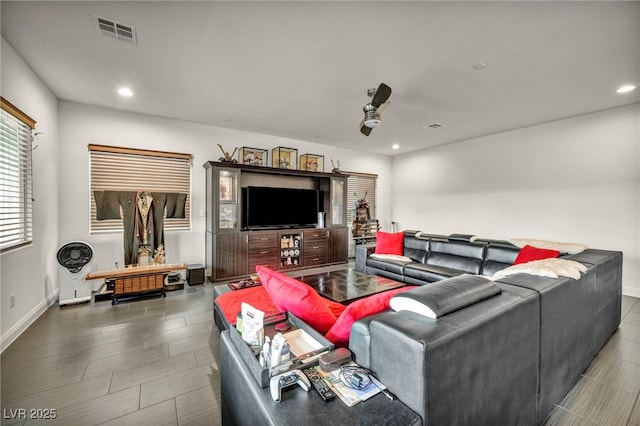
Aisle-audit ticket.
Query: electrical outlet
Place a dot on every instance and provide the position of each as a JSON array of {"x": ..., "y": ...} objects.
[{"x": 12, "y": 300}]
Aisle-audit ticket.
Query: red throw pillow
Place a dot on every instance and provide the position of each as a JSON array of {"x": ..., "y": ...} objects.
[
  {"x": 294, "y": 296},
  {"x": 390, "y": 243},
  {"x": 230, "y": 303},
  {"x": 529, "y": 253},
  {"x": 339, "y": 333}
]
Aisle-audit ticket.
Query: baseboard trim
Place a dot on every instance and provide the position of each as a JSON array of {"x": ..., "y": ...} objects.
[
  {"x": 14, "y": 332},
  {"x": 633, "y": 292}
]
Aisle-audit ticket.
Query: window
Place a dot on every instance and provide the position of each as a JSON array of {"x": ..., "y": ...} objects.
[
  {"x": 16, "y": 190},
  {"x": 361, "y": 184},
  {"x": 127, "y": 169}
]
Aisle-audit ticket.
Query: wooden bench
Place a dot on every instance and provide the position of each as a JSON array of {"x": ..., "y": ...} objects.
[{"x": 137, "y": 280}]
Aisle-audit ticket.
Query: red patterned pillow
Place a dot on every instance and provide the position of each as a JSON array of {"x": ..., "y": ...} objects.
[
  {"x": 339, "y": 333},
  {"x": 529, "y": 253},
  {"x": 390, "y": 243},
  {"x": 294, "y": 296}
]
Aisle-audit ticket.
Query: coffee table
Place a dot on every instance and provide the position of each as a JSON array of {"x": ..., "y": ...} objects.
[{"x": 347, "y": 285}]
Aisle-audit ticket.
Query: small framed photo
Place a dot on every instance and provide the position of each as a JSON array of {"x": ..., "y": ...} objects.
[{"x": 253, "y": 156}]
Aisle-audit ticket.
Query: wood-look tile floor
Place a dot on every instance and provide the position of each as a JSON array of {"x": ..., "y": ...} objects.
[
  {"x": 143, "y": 362},
  {"x": 155, "y": 362}
]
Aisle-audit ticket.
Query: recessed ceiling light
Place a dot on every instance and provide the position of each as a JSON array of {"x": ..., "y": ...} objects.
[
  {"x": 626, "y": 88},
  {"x": 125, "y": 91},
  {"x": 395, "y": 146}
]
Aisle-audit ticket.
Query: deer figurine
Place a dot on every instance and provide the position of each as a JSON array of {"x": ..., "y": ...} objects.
[{"x": 336, "y": 166}]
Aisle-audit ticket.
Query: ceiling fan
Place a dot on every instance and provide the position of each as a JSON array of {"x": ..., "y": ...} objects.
[{"x": 373, "y": 109}]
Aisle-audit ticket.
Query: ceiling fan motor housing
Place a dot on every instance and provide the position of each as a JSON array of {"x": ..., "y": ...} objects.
[{"x": 370, "y": 118}]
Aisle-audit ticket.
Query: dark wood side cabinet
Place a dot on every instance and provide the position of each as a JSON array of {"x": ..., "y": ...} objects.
[{"x": 233, "y": 252}]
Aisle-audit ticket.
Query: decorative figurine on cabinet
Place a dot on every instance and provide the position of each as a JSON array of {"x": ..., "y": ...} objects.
[{"x": 228, "y": 158}]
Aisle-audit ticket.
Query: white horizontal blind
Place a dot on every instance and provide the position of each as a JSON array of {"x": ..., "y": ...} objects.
[
  {"x": 16, "y": 187},
  {"x": 358, "y": 183},
  {"x": 123, "y": 169}
]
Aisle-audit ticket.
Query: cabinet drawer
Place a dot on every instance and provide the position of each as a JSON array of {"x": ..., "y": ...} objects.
[
  {"x": 310, "y": 260},
  {"x": 315, "y": 235},
  {"x": 263, "y": 240},
  {"x": 263, "y": 253},
  {"x": 268, "y": 261},
  {"x": 313, "y": 250}
]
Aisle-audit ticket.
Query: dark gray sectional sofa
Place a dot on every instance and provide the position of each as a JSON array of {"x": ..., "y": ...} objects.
[
  {"x": 507, "y": 359},
  {"x": 436, "y": 257}
]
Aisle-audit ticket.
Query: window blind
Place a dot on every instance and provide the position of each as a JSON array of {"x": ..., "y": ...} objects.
[
  {"x": 16, "y": 187},
  {"x": 360, "y": 183},
  {"x": 126, "y": 169}
]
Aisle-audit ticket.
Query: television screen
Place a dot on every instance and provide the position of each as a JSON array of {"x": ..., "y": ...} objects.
[{"x": 268, "y": 207}]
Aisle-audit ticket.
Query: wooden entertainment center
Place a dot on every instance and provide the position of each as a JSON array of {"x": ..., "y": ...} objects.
[{"x": 233, "y": 252}]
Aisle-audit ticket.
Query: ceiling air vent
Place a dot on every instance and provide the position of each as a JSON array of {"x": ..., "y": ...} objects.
[{"x": 114, "y": 29}]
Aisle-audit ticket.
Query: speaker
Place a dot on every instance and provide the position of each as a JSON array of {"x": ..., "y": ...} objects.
[{"x": 195, "y": 274}]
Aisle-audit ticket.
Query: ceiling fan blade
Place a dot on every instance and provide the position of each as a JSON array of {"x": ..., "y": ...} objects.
[
  {"x": 364, "y": 129},
  {"x": 382, "y": 107},
  {"x": 382, "y": 94}
]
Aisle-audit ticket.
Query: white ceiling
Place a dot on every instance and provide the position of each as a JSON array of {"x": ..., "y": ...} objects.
[{"x": 301, "y": 70}]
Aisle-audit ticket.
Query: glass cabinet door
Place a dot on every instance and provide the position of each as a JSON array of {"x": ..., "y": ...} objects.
[
  {"x": 228, "y": 199},
  {"x": 338, "y": 202}
]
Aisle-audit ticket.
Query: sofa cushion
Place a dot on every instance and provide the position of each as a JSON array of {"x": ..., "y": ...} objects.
[
  {"x": 294, "y": 296},
  {"x": 443, "y": 297},
  {"x": 463, "y": 256},
  {"x": 498, "y": 256},
  {"x": 430, "y": 273},
  {"x": 339, "y": 333},
  {"x": 230, "y": 302},
  {"x": 395, "y": 266},
  {"x": 529, "y": 253},
  {"x": 416, "y": 248},
  {"x": 389, "y": 243}
]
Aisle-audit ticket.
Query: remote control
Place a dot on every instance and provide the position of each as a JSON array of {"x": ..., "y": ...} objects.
[{"x": 320, "y": 384}]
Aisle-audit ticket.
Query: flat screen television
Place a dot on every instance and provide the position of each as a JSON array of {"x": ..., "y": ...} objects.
[{"x": 269, "y": 207}]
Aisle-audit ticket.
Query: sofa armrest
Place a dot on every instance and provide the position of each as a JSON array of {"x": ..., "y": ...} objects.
[
  {"x": 362, "y": 252},
  {"x": 452, "y": 370}
]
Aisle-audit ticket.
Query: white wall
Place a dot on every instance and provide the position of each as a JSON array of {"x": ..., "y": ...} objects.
[
  {"x": 31, "y": 272},
  {"x": 575, "y": 180},
  {"x": 82, "y": 124}
]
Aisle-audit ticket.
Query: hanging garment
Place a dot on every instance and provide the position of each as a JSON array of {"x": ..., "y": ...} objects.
[{"x": 136, "y": 228}]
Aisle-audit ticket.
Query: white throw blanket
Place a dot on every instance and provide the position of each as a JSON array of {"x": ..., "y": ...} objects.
[
  {"x": 570, "y": 248},
  {"x": 552, "y": 268}
]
